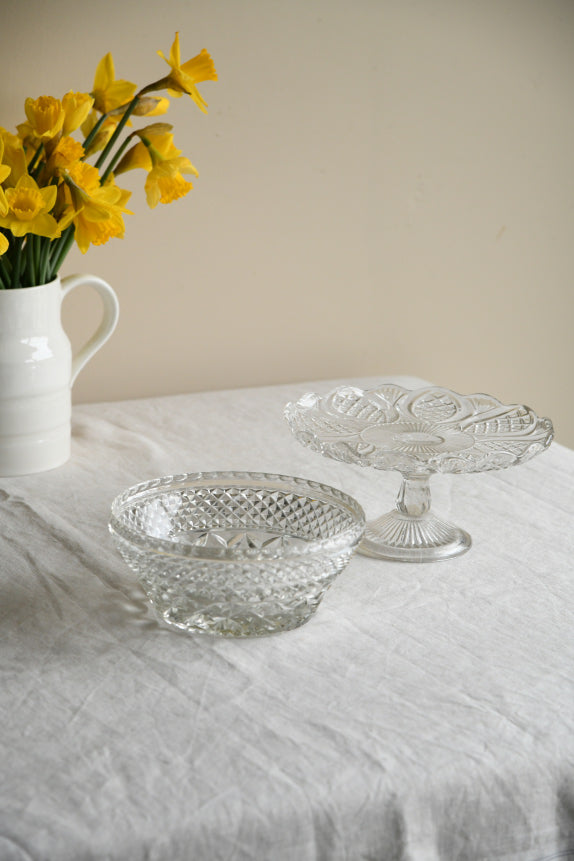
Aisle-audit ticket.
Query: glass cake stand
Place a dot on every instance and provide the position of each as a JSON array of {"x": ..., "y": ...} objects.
[{"x": 417, "y": 432}]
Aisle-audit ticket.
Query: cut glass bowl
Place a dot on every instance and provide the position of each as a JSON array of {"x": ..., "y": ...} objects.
[
  {"x": 417, "y": 432},
  {"x": 235, "y": 554}
]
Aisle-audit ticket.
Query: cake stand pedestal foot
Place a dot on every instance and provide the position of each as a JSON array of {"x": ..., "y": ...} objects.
[{"x": 411, "y": 533}]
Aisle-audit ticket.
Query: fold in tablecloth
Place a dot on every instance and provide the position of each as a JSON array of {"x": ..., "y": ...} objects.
[{"x": 426, "y": 712}]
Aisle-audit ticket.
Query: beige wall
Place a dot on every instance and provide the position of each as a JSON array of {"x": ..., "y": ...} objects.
[{"x": 386, "y": 186}]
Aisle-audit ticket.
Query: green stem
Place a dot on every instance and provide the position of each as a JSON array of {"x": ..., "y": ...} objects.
[
  {"x": 42, "y": 256},
  {"x": 119, "y": 128},
  {"x": 31, "y": 259},
  {"x": 115, "y": 159},
  {"x": 37, "y": 253},
  {"x": 94, "y": 131},
  {"x": 17, "y": 262},
  {"x": 160, "y": 84},
  {"x": 6, "y": 265},
  {"x": 65, "y": 243},
  {"x": 5, "y": 271},
  {"x": 55, "y": 256},
  {"x": 34, "y": 166}
]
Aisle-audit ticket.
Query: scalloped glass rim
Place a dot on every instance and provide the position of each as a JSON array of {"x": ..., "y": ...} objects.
[
  {"x": 148, "y": 490},
  {"x": 424, "y": 430}
]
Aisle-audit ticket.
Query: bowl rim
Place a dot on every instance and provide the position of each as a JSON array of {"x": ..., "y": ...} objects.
[{"x": 349, "y": 537}]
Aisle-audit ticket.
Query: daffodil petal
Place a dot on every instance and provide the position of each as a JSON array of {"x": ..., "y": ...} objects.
[
  {"x": 46, "y": 225},
  {"x": 42, "y": 225},
  {"x": 174, "y": 54},
  {"x": 49, "y": 194},
  {"x": 27, "y": 182},
  {"x": 105, "y": 73},
  {"x": 136, "y": 157},
  {"x": 185, "y": 166}
]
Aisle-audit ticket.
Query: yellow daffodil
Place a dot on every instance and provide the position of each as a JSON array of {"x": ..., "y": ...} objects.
[
  {"x": 165, "y": 182},
  {"x": 47, "y": 187},
  {"x": 66, "y": 153},
  {"x": 13, "y": 157},
  {"x": 184, "y": 77},
  {"x": 45, "y": 118},
  {"x": 109, "y": 93},
  {"x": 85, "y": 178},
  {"x": 91, "y": 229},
  {"x": 76, "y": 107},
  {"x": 158, "y": 155},
  {"x": 28, "y": 209},
  {"x": 96, "y": 211}
]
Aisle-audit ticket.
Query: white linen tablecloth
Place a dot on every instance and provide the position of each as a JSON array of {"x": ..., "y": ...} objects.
[{"x": 426, "y": 712}]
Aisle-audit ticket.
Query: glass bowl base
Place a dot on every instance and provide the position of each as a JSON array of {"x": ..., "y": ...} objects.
[
  {"x": 405, "y": 538},
  {"x": 220, "y": 622}
]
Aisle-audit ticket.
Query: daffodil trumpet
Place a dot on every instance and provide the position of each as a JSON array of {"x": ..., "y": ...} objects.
[{"x": 51, "y": 197}]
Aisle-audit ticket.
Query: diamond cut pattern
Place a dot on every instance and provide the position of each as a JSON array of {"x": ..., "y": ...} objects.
[
  {"x": 237, "y": 559},
  {"x": 229, "y": 508}
]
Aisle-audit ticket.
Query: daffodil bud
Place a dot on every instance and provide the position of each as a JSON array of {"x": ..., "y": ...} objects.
[
  {"x": 151, "y": 106},
  {"x": 101, "y": 138},
  {"x": 154, "y": 129}
]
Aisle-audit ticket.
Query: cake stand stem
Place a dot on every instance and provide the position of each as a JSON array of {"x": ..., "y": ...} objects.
[
  {"x": 412, "y": 533},
  {"x": 414, "y": 498}
]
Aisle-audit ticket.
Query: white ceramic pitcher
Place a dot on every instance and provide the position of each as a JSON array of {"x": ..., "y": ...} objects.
[{"x": 37, "y": 372}]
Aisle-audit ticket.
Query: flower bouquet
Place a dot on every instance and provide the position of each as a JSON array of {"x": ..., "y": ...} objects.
[
  {"x": 56, "y": 189},
  {"x": 58, "y": 186}
]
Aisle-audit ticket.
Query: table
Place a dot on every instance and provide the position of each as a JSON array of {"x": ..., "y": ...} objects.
[{"x": 426, "y": 712}]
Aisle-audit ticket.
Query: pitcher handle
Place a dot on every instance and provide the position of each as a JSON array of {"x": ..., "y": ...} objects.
[{"x": 106, "y": 327}]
